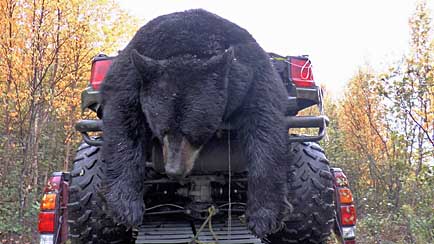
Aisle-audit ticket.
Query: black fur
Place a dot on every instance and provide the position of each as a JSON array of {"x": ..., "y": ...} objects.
[{"x": 184, "y": 75}]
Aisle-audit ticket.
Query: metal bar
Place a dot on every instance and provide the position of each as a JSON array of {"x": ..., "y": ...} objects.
[
  {"x": 291, "y": 121},
  {"x": 89, "y": 125},
  {"x": 97, "y": 142},
  {"x": 320, "y": 122},
  {"x": 307, "y": 121},
  {"x": 303, "y": 138}
]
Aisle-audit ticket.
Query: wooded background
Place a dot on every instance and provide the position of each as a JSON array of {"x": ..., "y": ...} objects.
[{"x": 381, "y": 131}]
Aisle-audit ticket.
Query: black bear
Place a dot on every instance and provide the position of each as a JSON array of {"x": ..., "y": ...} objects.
[{"x": 180, "y": 78}]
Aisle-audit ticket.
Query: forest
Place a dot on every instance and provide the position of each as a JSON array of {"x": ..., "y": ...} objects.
[{"x": 381, "y": 130}]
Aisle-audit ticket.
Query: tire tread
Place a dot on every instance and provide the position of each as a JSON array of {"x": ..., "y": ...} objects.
[
  {"x": 88, "y": 222},
  {"x": 311, "y": 194}
]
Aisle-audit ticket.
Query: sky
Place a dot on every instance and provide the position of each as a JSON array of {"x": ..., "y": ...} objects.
[{"x": 338, "y": 35}]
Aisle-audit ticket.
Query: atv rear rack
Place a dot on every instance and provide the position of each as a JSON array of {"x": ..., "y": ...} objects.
[
  {"x": 320, "y": 122},
  {"x": 183, "y": 231}
]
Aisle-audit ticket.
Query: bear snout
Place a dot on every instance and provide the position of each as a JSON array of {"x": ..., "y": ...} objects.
[
  {"x": 175, "y": 173},
  {"x": 179, "y": 156}
]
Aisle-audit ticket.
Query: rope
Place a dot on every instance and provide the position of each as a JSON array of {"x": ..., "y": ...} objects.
[
  {"x": 309, "y": 69},
  {"x": 307, "y": 65},
  {"x": 230, "y": 189},
  {"x": 211, "y": 212}
]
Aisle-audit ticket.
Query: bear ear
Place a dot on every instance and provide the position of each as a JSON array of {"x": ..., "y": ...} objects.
[
  {"x": 147, "y": 67},
  {"x": 221, "y": 60}
]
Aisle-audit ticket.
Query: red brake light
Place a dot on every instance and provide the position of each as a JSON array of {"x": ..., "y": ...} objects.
[
  {"x": 98, "y": 72},
  {"x": 46, "y": 222},
  {"x": 348, "y": 215},
  {"x": 301, "y": 71}
]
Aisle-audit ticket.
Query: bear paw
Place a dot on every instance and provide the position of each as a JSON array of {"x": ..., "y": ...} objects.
[
  {"x": 126, "y": 212},
  {"x": 264, "y": 221}
]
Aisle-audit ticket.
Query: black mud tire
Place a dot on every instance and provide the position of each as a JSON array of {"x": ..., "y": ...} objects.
[
  {"x": 311, "y": 195},
  {"x": 87, "y": 218}
]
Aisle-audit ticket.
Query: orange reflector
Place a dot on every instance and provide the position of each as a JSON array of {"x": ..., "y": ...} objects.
[
  {"x": 48, "y": 201},
  {"x": 46, "y": 222},
  {"x": 345, "y": 196},
  {"x": 348, "y": 215}
]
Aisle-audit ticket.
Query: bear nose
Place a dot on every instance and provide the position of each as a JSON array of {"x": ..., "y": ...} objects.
[
  {"x": 179, "y": 156},
  {"x": 174, "y": 173}
]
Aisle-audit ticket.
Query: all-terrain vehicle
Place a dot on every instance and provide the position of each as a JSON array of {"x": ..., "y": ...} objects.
[{"x": 208, "y": 206}]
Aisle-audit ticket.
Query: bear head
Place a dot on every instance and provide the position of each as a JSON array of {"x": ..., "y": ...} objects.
[{"x": 184, "y": 100}]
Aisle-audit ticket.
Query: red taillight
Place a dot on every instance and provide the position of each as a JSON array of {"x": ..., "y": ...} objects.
[
  {"x": 301, "y": 72},
  {"x": 345, "y": 208},
  {"x": 46, "y": 222},
  {"x": 98, "y": 72},
  {"x": 53, "y": 215},
  {"x": 53, "y": 184},
  {"x": 348, "y": 215}
]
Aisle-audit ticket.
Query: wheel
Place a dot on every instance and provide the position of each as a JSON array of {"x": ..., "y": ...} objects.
[
  {"x": 87, "y": 220},
  {"x": 311, "y": 195}
]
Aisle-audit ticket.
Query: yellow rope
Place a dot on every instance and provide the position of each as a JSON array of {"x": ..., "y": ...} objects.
[
  {"x": 211, "y": 212},
  {"x": 279, "y": 59}
]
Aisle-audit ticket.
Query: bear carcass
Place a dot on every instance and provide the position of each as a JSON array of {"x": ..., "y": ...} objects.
[{"x": 179, "y": 79}]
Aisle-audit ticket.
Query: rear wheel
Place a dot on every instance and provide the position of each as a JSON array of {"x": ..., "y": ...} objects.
[
  {"x": 87, "y": 218},
  {"x": 311, "y": 195}
]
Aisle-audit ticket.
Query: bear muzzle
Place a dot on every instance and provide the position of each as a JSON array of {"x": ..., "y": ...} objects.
[{"x": 179, "y": 156}]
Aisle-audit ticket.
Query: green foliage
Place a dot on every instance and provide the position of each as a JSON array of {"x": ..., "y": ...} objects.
[
  {"x": 381, "y": 132},
  {"x": 46, "y": 48},
  {"x": 382, "y": 136}
]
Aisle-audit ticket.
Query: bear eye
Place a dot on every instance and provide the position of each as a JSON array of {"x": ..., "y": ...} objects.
[{"x": 165, "y": 132}]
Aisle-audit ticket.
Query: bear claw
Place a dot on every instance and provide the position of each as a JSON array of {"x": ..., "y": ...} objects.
[{"x": 263, "y": 222}]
